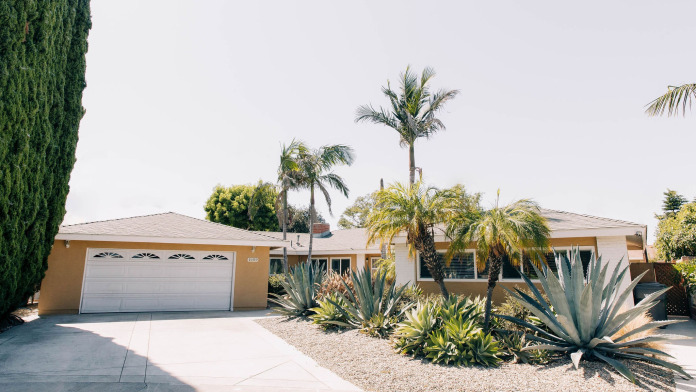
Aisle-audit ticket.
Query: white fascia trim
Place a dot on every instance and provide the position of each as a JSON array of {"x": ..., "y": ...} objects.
[
  {"x": 574, "y": 233},
  {"x": 167, "y": 240},
  {"x": 326, "y": 252}
]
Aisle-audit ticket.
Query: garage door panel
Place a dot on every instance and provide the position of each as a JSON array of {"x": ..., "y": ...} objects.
[{"x": 128, "y": 284}]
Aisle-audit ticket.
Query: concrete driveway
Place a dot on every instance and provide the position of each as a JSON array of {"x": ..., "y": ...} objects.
[{"x": 190, "y": 351}]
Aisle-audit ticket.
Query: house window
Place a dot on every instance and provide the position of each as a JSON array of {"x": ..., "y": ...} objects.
[
  {"x": 276, "y": 266},
  {"x": 215, "y": 257},
  {"x": 463, "y": 266},
  {"x": 340, "y": 266},
  {"x": 181, "y": 256},
  {"x": 585, "y": 257},
  {"x": 374, "y": 264},
  {"x": 108, "y": 255},
  {"x": 321, "y": 262},
  {"x": 146, "y": 255}
]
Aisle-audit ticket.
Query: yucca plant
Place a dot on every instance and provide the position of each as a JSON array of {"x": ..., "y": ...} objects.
[
  {"x": 301, "y": 286},
  {"x": 372, "y": 304},
  {"x": 587, "y": 312}
]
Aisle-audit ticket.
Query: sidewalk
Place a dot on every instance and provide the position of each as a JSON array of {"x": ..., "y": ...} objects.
[{"x": 684, "y": 351}]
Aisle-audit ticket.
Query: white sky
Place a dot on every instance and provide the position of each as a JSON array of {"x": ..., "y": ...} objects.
[{"x": 182, "y": 96}]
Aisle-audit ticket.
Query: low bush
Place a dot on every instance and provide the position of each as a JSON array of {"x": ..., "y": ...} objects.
[
  {"x": 301, "y": 287},
  {"x": 334, "y": 283},
  {"x": 447, "y": 331},
  {"x": 275, "y": 284},
  {"x": 511, "y": 337}
]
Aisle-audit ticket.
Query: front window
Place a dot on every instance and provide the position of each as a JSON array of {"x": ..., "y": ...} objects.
[
  {"x": 276, "y": 266},
  {"x": 340, "y": 266},
  {"x": 374, "y": 265},
  {"x": 322, "y": 263},
  {"x": 462, "y": 267}
]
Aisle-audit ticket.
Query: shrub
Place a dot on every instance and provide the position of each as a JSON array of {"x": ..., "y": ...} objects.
[
  {"x": 447, "y": 331},
  {"x": 587, "y": 313},
  {"x": 301, "y": 286},
  {"x": 372, "y": 304},
  {"x": 327, "y": 314},
  {"x": 511, "y": 337},
  {"x": 275, "y": 284},
  {"x": 687, "y": 270},
  {"x": 333, "y": 283},
  {"x": 386, "y": 267}
]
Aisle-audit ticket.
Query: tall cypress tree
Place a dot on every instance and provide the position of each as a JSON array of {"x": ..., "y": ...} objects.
[{"x": 42, "y": 76}]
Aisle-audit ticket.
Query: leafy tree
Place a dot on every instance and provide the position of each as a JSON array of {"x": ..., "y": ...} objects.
[
  {"x": 510, "y": 231},
  {"x": 42, "y": 76},
  {"x": 672, "y": 202},
  {"x": 676, "y": 234},
  {"x": 356, "y": 215},
  {"x": 412, "y": 111},
  {"x": 417, "y": 209},
  {"x": 298, "y": 219},
  {"x": 676, "y": 99},
  {"x": 315, "y": 166},
  {"x": 230, "y": 206},
  {"x": 288, "y": 179}
]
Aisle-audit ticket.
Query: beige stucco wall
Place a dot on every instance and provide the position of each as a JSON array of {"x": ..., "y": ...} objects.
[
  {"x": 480, "y": 288},
  {"x": 61, "y": 288}
]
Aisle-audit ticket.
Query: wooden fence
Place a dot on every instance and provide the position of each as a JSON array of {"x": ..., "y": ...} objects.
[{"x": 665, "y": 273}]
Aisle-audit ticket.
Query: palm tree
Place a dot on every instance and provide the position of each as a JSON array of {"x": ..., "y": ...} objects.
[
  {"x": 513, "y": 231},
  {"x": 676, "y": 98},
  {"x": 412, "y": 112},
  {"x": 314, "y": 166},
  {"x": 289, "y": 178},
  {"x": 417, "y": 209}
]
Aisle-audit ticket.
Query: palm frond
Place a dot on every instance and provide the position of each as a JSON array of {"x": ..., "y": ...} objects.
[{"x": 674, "y": 101}]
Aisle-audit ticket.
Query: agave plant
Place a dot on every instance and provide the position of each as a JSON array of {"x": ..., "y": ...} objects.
[
  {"x": 326, "y": 314},
  {"x": 301, "y": 286},
  {"x": 372, "y": 304},
  {"x": 412, "y": 334},
  {"x": 583, "y": 312}
]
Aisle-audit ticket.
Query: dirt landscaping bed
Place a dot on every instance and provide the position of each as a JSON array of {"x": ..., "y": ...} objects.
[{"x": 372, "y": 364}]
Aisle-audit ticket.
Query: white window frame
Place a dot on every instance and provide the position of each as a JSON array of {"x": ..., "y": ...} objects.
[
  {"x": 339, "y": 258},
  {"x": 373, "y": 259},
  {"x": 558, "y": 249}
]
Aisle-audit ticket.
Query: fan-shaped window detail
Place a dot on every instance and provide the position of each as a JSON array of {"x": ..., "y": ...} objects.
[
  {"x": 181, "y": 256},
  {"x": 108, "y": 255},
  {"x": 146, "y": 255},
  {"x": 215, "y": 257}
]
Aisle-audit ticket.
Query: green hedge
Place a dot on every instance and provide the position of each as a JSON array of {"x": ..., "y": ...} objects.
[{"x": 42, "y": 76}]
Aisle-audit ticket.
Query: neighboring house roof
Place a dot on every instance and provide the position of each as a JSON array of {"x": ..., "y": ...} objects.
[
  {"x": 346, "y": 240},
  {"x": 568, "y": 225},
  {"x": 167, "y": 227}
]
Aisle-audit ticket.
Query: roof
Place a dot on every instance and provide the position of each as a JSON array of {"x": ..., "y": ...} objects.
[
  {"x": 166, "y": 227},
  {"x": 335, "y": 241},
  {"x": 562, "y": 220}
]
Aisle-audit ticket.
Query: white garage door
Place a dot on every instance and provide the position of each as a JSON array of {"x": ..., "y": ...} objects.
[{"x": 146, "y": 280}]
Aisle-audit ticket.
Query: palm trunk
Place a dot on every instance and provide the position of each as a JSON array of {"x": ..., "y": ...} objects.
[
  {"x": 411, "y": 164},
  {"x": 311, "y": 222},
  {"x": 494, "y": 266},
  {"x": 425, "y": 244},
  {"x": 285, "y": 231}
]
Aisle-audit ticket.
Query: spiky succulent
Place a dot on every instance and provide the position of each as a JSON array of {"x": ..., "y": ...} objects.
[
  {"x": 584, "y": 312},
  {"x": 301, "y": 286},
  {"x": 371, "y": 305}
]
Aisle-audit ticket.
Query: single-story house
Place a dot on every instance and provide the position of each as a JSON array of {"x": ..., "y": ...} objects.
[
  {"x": 612, "y": 239},
  {"x": 161, "y": 262}
]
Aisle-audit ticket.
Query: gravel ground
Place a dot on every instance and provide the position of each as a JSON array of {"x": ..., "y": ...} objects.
[{"x": 372, "y": 364}]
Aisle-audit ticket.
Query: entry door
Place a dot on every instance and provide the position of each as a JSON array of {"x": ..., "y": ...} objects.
[{"x": 146, "y": 280}]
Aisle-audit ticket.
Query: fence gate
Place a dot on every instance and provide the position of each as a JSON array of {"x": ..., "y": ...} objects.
[{"x": 677, "y": 300}]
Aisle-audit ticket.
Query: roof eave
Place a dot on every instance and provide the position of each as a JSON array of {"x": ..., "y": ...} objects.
[{"x": 169, "y": 240}]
